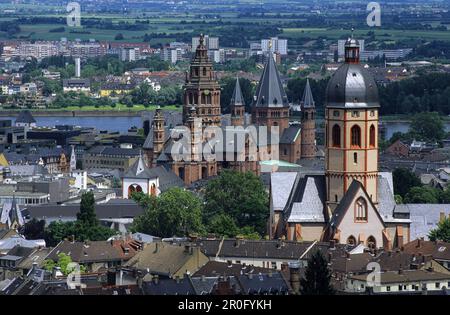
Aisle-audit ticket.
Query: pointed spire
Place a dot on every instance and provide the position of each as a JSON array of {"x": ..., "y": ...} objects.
[
  {"x": 307, "y": 100},
  {"x": 270, "y": 91},
  {"x": 237, "y": 99},
  {"x": 140, "y": 166},
  {"x": 73, "y": 160}
]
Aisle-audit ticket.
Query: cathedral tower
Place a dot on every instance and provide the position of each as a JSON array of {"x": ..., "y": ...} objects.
[
  {"x": 308, "y": 132},
  {"x": 158, "y": 133},
  {"x": 237, "y": 106},
  {"x": 351, "y": 115},
  {"x": 201, "y": 89},
  {"x": 271, "y": 106}
]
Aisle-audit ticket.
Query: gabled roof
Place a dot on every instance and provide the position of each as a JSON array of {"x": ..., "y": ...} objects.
[
  {"x": 140, "y": 170},
  {"x": 346, "y": 202},
  {"x": 11, "y": 213},
  {"x": 290, "y": 134},
  {"x": 270, "y": 91},
  {"x": 25, "y": 117},
  {"x": 307, "y": 99},
  {"x": 237, "y": 99}
]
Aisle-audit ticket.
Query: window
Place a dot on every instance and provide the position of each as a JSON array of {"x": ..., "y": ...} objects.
[
  {"x": 388, "y": 288},
  {"x": 355, "y": 158},
  {"x": 336, "y": 198},
  {"x": 437, "y": 285},
  {"x": 336, "y": 136},
  {"x": 372, "y": 136},
  {"x": 371, "y": 242},
  {"x": 351, "y": 240},
  {"x": 372, "y": 113},
  {"x": 274, "y": 264},
  {"x": 355, "y": 113},
  {"x": 336, "y": 113},
  {"x": 356, "y": 136},
  {"x": 400, "y": 287},
  {"x": 361, "y": 210}
]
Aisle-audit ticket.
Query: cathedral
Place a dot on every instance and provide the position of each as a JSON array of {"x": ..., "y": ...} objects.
[
  {"x": 350, "y": 202},
  {"x": 202, "y": 110}
]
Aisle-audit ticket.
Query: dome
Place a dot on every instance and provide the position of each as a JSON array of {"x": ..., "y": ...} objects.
[{"x": 352, "y": 86}]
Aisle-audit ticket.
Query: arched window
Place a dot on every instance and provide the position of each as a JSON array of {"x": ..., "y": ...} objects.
[
  {"x": 371, "y": 242},
  {"x": 204, "y": 71},
  {"x": 355, "y": 158},
  {"x": 351, "y": 240},
  {"x": 361, "y": 210},
  {"x": 153, "y": 190},
  {"x": 356, "y": 136},
  {"x": 306, "y": 115},
  {"x": 372, "y": 136},
  {"x": 336, "y": 136}
]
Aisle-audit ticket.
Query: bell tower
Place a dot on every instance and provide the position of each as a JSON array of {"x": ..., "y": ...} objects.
[
  {"x": 308, "y": 131},
  {"x": 351, "y": 115},
  {"x": 158, "y": 133},
  {"x": 237, "y": 105},
  {"x": 201, "y": 89}
]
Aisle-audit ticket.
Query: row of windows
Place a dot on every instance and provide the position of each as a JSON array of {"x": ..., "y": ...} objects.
[
  {"x": 355, "y": 140},
  {"x": 105, "y": 162},
  {"x": 355, "y": 113}
]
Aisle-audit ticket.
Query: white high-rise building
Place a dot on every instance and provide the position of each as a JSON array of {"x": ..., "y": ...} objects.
[
  {"x": 78, "y": 67},
  {"x": 274, "y": 45},
  {"x": 211, "y": 43}
]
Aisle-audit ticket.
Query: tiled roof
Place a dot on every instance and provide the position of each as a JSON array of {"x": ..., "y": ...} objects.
[{"x": 281, "y": 186}]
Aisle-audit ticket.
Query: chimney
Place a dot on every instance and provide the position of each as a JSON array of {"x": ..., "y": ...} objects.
[
  {"x": 203, "y": 278},
  {"x": 419, "y": 243},
  {"x": 294, "y": 273},
  {"x": 155, "y": 279},
  {"x": 332, "y": 244},
  {"x": 177, "y": 279},
  {"x": 441, "y": 216}
]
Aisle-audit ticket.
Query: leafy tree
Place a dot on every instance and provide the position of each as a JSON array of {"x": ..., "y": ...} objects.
[
  {"x": 442, "y": 232},
  {"x": 223, "y": 225},
  {"x": 87, "y": 216},
  {"x": 174, "y": 212},
  {"x": 34, "y": 229},
  {"x": 404, "y": 180},
  {"x": 423, "y": 194},
  {"x": 63, "y": 261},
  {"x": 242, "y": 196},
  {"x": 317, "y": 280},
  {"x": 427, "y": 126}
]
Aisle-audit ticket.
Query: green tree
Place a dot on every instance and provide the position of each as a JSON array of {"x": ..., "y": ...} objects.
[
  {"x": 404, "y": 180},
  {"x": 317, "y": 280},
  {"x": 34, "y": 229},
  {"x": 63, "y": 261},
  {"x": 427, "y": 126},
  {"x": 242, "y": 196},
  {"x": 442, "y": 232},
  {"x": 87, "y": 216},
  {"x": 423, "y": 194},
  {"x": 223, "y": 225},
  {"x": 174, "y": 212}
]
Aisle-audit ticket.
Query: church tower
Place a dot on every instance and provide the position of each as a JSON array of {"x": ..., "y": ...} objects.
[
  {"x": 308, "y": 132},
  {"x": 271, "y": 106},
  {"x": 237, "y": 106},
  {"x": 201, "y": 89},
  {"x": 158, "y": 133},
  {"x": 351, "y": 115}
]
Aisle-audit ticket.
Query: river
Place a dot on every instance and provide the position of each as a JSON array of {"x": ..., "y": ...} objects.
[{"x": 122, "y": 124}]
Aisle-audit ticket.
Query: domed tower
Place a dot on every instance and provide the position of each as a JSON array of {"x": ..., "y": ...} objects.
[
  {"x": 308, "y": 132},
  {"x": 351, "y": 115},
  {"x": 201, "y": 89}
]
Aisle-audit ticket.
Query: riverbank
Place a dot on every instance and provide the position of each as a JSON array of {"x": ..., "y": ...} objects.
[{"x": 91, "y": 111}]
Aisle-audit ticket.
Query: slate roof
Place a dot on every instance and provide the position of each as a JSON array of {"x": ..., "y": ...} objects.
[
  {"x": 406, "y": 276},
  {"x": 425, "y": 217},
  {"x": 290, "y": 134},
  {"x": 95, "y": 251},
  {"x": 111, "y": 151},
  {"x": 260, "y": 284},
  {"x": 270, "y": 91},
  {"x": 11, "y": 242},
  {"x": 169, "y": 287},
  {"x": 204, "y": 285},
  {"x": 11, "y": 213},
  {"x": 352, "y": 86},
  {"x": 216, "y": 268},
  {"x": 140, "y": 170},
  {"x": 307, "y": 99},
  {"x": 281, "y": 186},
  {"x": 307, "y": 199},
  {"x": 102, "y": 211},
  {"x": 237, "y": 99},
  {"x": 25, "y": 117}
]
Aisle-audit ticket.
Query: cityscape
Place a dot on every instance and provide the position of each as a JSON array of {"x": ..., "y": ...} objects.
[{"x": 224, "y": 148}]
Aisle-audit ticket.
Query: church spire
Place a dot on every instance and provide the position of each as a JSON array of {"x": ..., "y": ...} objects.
[
  {"x": 308, "y": 132},
  {"x": 237, "y": 106},
  {"x": 307, "y": 99},
  {"x": 73, "y": 160}
]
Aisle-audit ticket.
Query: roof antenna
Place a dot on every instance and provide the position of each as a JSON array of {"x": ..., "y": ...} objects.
[{"x": 353, "y": 30}]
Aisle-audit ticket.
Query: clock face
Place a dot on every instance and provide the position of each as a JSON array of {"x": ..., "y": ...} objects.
[{"x": 206, "y": 92}]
